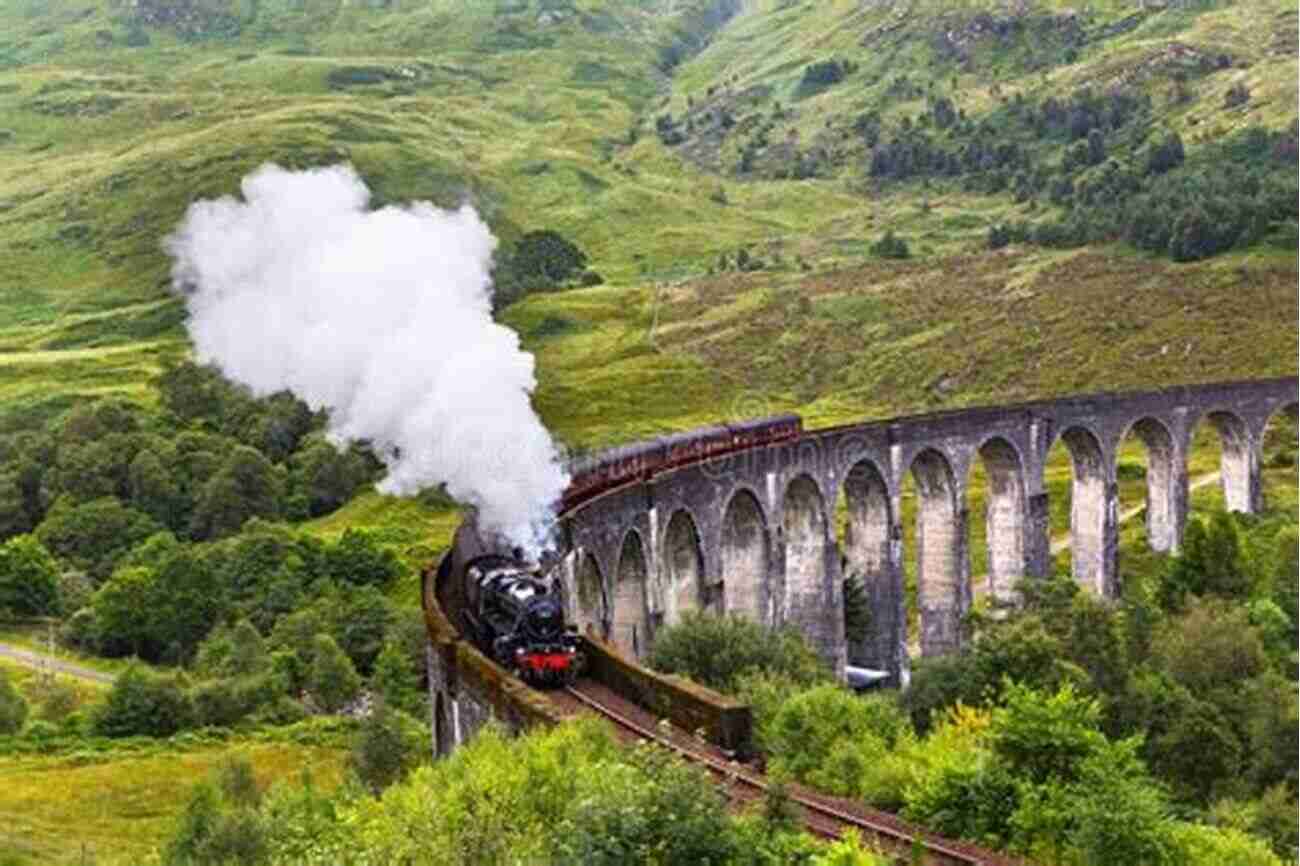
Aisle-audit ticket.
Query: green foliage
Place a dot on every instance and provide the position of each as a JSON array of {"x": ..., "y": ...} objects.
[
  {"x": 246, "y": 486},
  {"x": 13, "y": 707},
  {"x": 221, "y": 825},
  {"x": 388, "y": 745},
  {"x": 396, "y": 681},
  {"x": 890, "y": 246},
  {"x": 542, "y": 259},
  {"x": 1210, "y": 562},
  {"x": 1043, "y": 736},
  {"x": 1210, "y": 647},
  {"x": 93, "y": 536},
  {"x": 828, "y": 736},
  {"x": 357, "y": 558},
  {"x": 29, "y": 578},
  {"x": 143, "y": 704},
  {"x": 717, "y": 651},
  {"x": 332, "y": 680}
]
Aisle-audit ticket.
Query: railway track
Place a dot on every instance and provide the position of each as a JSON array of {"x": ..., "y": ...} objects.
[{"x": 826, "y": 817}]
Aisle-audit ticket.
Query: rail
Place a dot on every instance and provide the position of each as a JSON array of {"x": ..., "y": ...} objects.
[{"x": 822, "y": 815}]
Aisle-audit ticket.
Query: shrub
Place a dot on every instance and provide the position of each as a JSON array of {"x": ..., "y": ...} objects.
[
  {"x": 891, "y": 247},
  {"x": 143, "y": 704},
  {"x": 29, "y": 578},
  {"x": 332, "y": 680},
  {"x": 395, "y": 681},
  {"x": 716, "y": 651},
  {"x": 13, "y": 708},
  {"x": 220, "y": 825},
  {"x": 828, "y": 736},
  {"x": 389, "y": 744}
]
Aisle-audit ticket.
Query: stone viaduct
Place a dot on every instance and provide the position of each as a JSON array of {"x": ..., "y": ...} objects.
[{"x": 753, "y": 532}]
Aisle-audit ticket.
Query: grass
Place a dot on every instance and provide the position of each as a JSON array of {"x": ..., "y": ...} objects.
[
  {"x": 31, "y": 684},
  {"x": 64, "y": 810}
]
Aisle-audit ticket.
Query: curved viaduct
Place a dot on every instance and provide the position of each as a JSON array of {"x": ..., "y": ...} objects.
[{"x": 753, "y": 532}]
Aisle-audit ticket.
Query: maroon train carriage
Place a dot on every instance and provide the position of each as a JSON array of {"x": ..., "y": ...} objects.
[{"x": 637, "y": 463}]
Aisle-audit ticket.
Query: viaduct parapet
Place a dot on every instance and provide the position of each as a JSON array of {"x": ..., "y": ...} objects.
[{"x": 753, "y": 532}]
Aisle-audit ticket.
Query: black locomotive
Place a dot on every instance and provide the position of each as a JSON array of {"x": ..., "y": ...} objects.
[{"x": 515, "y": 613}]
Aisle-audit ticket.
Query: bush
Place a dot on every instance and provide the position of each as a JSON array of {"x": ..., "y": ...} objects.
[
  {"x": 891, "y": 247},
  {"x": 829, "y": 736},
  {"x": 29, "y": 578},
  {"x": 13, "y": 709},
  {"x": 717, "y": 651},
  {"x": 395, "y": 681},
  {"x": 332, "y": 680},
  {"x": 143, "y": 704},
  {"x": 221, "y": 825},
  {"x": 389, "y": 744}
]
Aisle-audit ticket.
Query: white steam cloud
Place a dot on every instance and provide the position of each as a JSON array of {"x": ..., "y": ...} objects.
[{"x": 383, "y": 317}]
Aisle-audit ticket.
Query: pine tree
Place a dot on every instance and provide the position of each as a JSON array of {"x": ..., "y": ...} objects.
[
  {"x": 332, "y": 680},
  {"x": 396, "y": 681}
]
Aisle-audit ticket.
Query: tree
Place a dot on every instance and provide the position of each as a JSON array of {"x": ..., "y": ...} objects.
[
  {"x": 154, "y": 490},
  {"x": 716, "y": 651},
  {"x": 1043, "y": 735},
  {"x": 396, "y": 680},
  {"x": 388, "y": 745},
  {"x": 544, "y": 258},
  {"x": 332, "y": 680},
  {"x": 143, "y": 704},
  {"x": 93, "y": 536},
  {"x": 357, "y": 559},
  {"x": 122, "y": 613},
  {"x": 13, "y": 708},
  {"x": 247, "y": 486},
  {"x": 326, "y": 476},
  {"x": 29, "y": 578},
  {"x": 221, "y": 825}
]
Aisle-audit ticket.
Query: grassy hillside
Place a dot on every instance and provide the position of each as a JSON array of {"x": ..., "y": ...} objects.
[{"x": 113, "y": 119}]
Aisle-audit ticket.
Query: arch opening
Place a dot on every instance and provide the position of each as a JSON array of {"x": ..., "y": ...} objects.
[
  {"x": 590, "y": 608},
  {"x": 442, "y": 744},
  {"x": 1150, "y": 483},
  {"x": 1004, "y": 519},
  {"x": 744, "y": 587},
  {"x": 1221, "y": 442},
  {"x": 631, "y": 628},
  {"x": 806, "y": 544},
  {"x": 684, "y": 562},
  {"x": 866, "y": 536},
  {"x": 941, "y": 591},
  {"x": 1278, "y": 451},
  {"x": 1085, "y": 505}
]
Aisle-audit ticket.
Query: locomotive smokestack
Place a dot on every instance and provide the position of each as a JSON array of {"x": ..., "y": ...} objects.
[{"x": 382, "y": 317}]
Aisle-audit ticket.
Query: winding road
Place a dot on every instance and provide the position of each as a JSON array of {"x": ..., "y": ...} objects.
[{"x": 42, "y": 661}]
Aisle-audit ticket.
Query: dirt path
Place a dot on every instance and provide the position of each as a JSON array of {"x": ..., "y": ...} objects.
[
  {"x": 40, "y": 661},
  {"x": 1063, "y": 542}
]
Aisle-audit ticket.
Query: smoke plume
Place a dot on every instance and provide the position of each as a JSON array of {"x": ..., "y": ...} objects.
[{"x": 382, "y": 317}]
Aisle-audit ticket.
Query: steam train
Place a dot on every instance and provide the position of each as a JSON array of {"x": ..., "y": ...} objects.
[
  {"x": 636, "y": 463},
  {"x": 515, "y": 613}
]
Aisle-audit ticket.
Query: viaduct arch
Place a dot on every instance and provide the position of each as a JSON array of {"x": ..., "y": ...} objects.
[{"x": 753, "y": 532}]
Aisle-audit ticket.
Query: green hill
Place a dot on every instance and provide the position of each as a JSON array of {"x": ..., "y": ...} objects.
[{"x": 623, "y": 124}]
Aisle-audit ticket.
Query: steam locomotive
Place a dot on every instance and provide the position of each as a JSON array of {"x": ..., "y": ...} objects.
[{"x": 515, "y": 613}]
